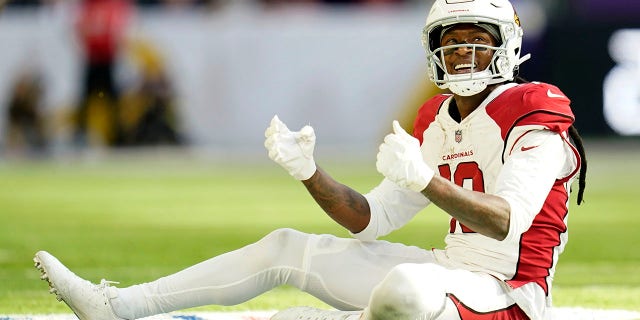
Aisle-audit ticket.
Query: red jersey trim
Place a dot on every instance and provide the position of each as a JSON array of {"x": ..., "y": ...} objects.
[
  {"x": 534, "y": 118},
  {"x": 427, "y": 115},
  {"x": 538, "y": 244},
  {"x": 512, "y": 312},
  {"x": 529, "y": 104},
  {"x": 578, "y": 159}
]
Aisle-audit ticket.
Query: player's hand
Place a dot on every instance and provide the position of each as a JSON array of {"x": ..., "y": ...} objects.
[
  {"x": 400, "y": 160},
  {"x": 293, "y": 150}
]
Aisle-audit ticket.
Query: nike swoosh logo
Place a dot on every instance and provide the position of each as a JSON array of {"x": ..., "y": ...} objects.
[
  {"x": 527, "y": 148},
  {"x": 554, "y": 95}
]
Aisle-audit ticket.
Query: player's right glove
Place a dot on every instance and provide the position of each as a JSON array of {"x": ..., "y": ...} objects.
[{"x": 293, "y": 150}]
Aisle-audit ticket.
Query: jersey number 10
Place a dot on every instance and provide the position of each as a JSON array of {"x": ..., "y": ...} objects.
[{"x": 466, "y": 174}]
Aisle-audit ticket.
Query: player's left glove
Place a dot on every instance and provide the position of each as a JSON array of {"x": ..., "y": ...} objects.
[
  {"x": 400, "y": 160},
  {"x": 293, "y": 150}
]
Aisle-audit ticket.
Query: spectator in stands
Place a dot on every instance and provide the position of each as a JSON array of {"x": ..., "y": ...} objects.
[
  {"x": 101, "y": 25},
  {"x": 25, "y": 128}
]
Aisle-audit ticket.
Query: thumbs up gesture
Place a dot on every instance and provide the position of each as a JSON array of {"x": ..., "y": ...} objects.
[{"x": 400, "y": 160}]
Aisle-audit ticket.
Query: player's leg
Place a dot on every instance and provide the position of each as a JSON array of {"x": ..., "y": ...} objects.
[
  {"x": 228, "y": 279},
  {"x": 320, "y": 265},
  {"x": 431, "y": 291},
  {"x": 426, "y": 291},
  {"x": 341, "y": 272}
]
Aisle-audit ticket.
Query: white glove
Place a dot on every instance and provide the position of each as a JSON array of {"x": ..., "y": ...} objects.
[
  {"x": 400, "y": 160},
  {"x": 292, "y": 150}
]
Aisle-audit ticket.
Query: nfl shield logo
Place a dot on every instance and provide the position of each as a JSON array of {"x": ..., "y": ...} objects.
[{"x": 458, "y": 136}]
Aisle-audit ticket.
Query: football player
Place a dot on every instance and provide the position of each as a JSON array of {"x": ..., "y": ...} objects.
[{"x": 498, "y": 155}]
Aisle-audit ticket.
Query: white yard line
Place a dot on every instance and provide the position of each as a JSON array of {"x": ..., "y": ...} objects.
[{"x": 560, "y": 314}]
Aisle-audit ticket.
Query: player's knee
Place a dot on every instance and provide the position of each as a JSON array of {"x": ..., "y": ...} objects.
[
  {"x": 409, "y": 291},
  {"x": 282, "y": 236},
  {"x": 274, "y": 245}
]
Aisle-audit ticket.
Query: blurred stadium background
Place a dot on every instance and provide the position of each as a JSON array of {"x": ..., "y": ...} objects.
[
  {"x": 91, "y": 91},
  {"x": 210, "y": 74}
]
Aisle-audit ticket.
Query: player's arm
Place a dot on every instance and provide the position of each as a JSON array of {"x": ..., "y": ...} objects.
[
  {"x": 527, "y": 175},
  {"x": 293, "y": 150},
  {"x": 536, "y": 160},
  {"x": 483, "y": 213},
  {"x": 400, "y": 160},
  {"x": 346, "y": 206},
  {"x": 534, "y": 163}
]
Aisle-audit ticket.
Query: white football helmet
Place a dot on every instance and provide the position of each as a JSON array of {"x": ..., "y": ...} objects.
[{"x": 506, "y": 57}]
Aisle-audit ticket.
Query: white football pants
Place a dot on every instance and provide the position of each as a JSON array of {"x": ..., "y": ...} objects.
[{"x": 390, "y": 280}]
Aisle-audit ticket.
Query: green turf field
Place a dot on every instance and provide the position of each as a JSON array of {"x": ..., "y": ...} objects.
[{"x": 132, "y": 219}]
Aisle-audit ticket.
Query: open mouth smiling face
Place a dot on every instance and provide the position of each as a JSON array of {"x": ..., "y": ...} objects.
[
  {"x": 470, "y": 51},
  {"x": 465, "y": 67}
]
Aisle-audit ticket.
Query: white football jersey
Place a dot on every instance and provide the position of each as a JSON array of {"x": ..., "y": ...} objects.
[{"x": 513, "y": 145}]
